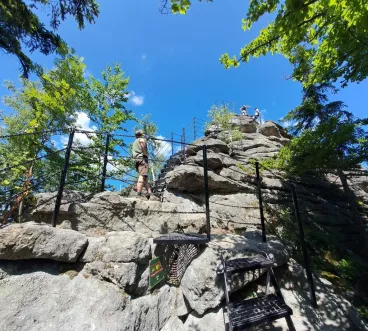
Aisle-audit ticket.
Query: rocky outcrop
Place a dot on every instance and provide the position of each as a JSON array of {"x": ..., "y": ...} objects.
[
  {"x": 61, "y": 302},
  {"x": 91, "y": 271},
  {"x": 122, "y": 246},
  {"x": 33, "y": 241},
  {"x": 271, "y": 128},
  {"x": 110, "y": 279},
  {"x": 109, "y": 211}
]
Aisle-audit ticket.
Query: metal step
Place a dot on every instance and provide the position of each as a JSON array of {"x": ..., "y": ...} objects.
[
  {"x": 241, "y": 265},
  {"x": 181, "y": 238},
  {"x": 254, "y": 311}
]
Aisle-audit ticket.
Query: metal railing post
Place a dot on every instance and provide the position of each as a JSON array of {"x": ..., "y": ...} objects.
[
  {"x": 105, "y": 163},
  {"x": 62, "y": 179},
  {"x": 259, "y": 188},
  {"x": 304, "y": 247},
  {"x": 172, "y": 143},
  {"x": 184, "y": 144},
  {"x": 183, "y": 138},
  {"x": 206, "y": 192},
  {"x": 194, "y": 128}
]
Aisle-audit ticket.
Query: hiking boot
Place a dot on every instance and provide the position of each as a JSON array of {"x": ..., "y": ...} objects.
[{"x": 151, "y": 197}]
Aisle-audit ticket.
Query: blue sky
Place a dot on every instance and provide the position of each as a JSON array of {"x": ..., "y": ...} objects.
[{"x": 173, "y": 61}]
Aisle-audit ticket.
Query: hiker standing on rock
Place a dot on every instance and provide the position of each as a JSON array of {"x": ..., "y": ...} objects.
[
  {"x": 243, "y": 110},
  {"x": 256, "y": 114},
  {"x": 140, "y": 154}
]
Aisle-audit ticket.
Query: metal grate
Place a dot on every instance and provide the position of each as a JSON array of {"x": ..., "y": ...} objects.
[
  {"x": 254, "y": 311},
  {"x": 181, "y": 238},
  {"x": 238, "y": 265},
  {"x": 180, "y": 260}
]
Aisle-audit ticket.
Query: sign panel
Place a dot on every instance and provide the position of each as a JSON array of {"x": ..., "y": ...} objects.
[{"x": 157, "y": 272}]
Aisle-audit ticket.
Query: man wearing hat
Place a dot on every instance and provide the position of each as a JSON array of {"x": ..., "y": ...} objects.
[{"x": 140, "y": 154}]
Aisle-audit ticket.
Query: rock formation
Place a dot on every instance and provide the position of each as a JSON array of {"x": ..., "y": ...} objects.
[{"x": 91, "y": 271}]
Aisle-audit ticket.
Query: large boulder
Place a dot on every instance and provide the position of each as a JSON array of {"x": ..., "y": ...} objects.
[
  {"x": 214, "y": 160},
  {"x": 212, "y": 144},
  {"x": 41, "y": 301},
  {"x": 271, "y": 128},
  {"x": 212, "y": 131},
  {"x": 190, "y": 178},
  {"x": 124, "y": 275},
  {"x": 109, "y": 211},
  {"x": 34, "y": 241},
  {"x": 236, "y": 212},
  {"x": 48, "y": 300},
  {"x": 151, "y": 312},
  {"x": 46, "y": 201},
  {"x": 122, "y": 246},
  {"x": 245, "y": 124},
  {"x": 202, "y": 283}
]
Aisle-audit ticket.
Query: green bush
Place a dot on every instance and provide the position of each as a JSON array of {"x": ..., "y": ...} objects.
[{"x": 221, "y": 117}]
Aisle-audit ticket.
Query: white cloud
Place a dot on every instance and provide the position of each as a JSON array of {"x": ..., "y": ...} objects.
[
  {"x": 114, "y": 165},
  {"x": 82, "y": 122},
  {"x": 136, "y": 100},
  {"x": 288, "y": 124},
  {"x": 87, "y": 74}
]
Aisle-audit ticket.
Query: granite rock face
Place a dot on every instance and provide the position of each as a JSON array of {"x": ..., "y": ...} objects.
[
  {"x": 91, "y": 272},
  {"x": 34, "y": 241}
]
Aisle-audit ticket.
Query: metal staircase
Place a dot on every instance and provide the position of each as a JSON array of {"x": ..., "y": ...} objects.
[
  {"x": 184, "y": 238},
  {"x": 160, "y": 184},
  {"x": 250, "y": 312}
]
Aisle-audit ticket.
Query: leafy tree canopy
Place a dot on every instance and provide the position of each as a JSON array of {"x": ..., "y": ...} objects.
[
  {"x": 330, "y": 36},
  {"x": 21, "y": 29},
  {"x": 44, "y": 109},
  {"x": 328, "y": 137}
]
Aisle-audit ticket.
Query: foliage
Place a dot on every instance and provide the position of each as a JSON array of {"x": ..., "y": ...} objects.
[
  {"x": 335, "y": 144},
  {"x": 182, "y": 6},
  {"x": 21, "y": 28},
  {"x": 220, "y": 116},
  {"x": 349, "y": 268},
  {"x": 44, "y": 106},
  {"x": 328, "y": 36},
  {"x": 105, "y": 108},
  {"x": 363, "y": 312},
  {"x": 329, "y": 139},
  {"x": 314, "y": 108},
  {"x": 47, "y": 108}
]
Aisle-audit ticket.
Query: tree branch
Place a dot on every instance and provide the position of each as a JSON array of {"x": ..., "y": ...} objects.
[{"x": 278, "y": 36}]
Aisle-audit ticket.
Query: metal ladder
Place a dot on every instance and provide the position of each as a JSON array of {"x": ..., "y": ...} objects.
[{"x": 251, "y": 312}]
